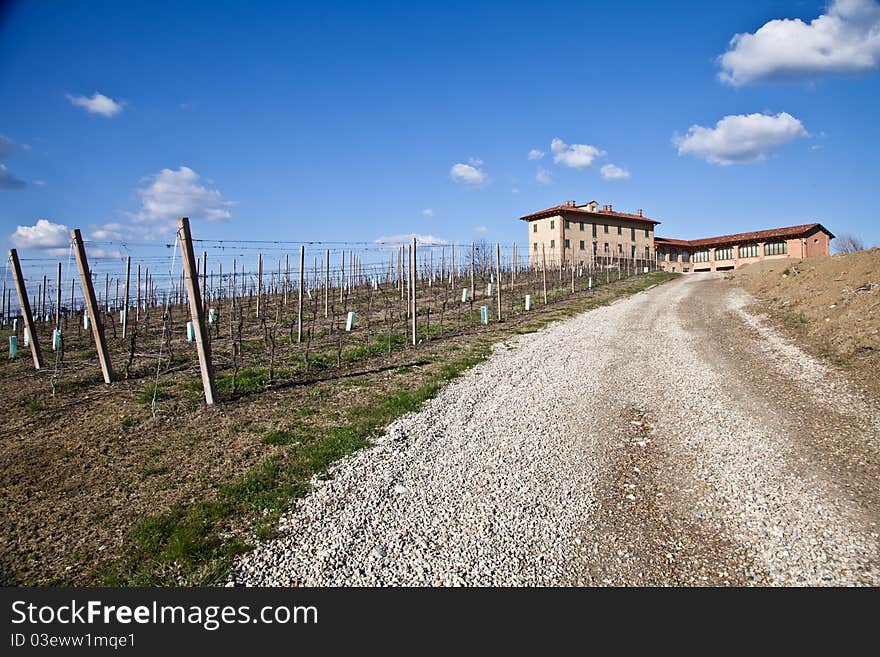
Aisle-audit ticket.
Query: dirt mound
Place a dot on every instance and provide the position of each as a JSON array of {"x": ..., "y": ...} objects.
[{"x": 830, "y": 304}]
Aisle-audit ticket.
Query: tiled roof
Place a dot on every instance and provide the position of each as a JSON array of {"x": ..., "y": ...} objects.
[
  {"x": 568, "y": 209},
  {"x": 754, "y": 236}
]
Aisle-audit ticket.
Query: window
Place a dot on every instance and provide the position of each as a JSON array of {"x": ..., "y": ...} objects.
[
  {"x": 595, "y": 248},
  {"x": 620, "y": 230},
  {"x": 552, "y": 244},
  {"x": 632, "y": 235},
  {"x": 594, "y": 230},
  {"x": 633, "y": 256},
  {"x": 647, "y": 252},
  {"x": 724, "y": 254},
  {"x": 567, "y": 224},
  {"x": 748, "y": 251},
  {"x": 582, "y": 245},
  {"x": 647, "y": 232},
  {"x": 536, "y": 246},
  {"x": 535, "y": 227},
  {"x": 581, "y": 224},
  {"x": 552, "y": 224},
  {"x": 701, "y": 256},
  {"x": 606, "y": 247},
  {"x": 776, "y": 248},
  {"x": 620, "y": 248},
  {"x": 567, "y": 244},
  {"x": 605, "y": 226},
  {"x": 685, "y": 257},
  {"x": 673, "y": 255}
]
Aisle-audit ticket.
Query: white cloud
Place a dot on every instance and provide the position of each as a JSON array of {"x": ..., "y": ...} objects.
[
  {"x": 97, "y": 104},
  {"x": 515, "y": 190},
  {"x": 614, "y": 172},
  {"x": 40, "y": 183},
  {"x": 482, "y": 229},
  {"x": 43, "y": 235},
  {"x": 8, "y": 181},
  {"x": 428, "y": 212},
  {"x": 172, "y": 194},
  {"x": 740, "y": 138},
  {"x": 845, "y": 39},
  {"x": 470, "y": 173},
  {"x": 577, "y": 156},
  {"x": 396, "y": 240},
  {"x": 535, "y": 154},
  {"x": 543, "y": 176}
]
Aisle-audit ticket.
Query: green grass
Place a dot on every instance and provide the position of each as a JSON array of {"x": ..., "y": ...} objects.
[
  {"x": 191, "y": 544},
  {"x": 162, "y": 392},
  {"x": 34, "y": 406}
]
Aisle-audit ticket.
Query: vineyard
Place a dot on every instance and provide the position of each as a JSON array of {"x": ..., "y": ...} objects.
[
  {"x": 266, "y": 323},
  {"x": 313, "y": 348}
]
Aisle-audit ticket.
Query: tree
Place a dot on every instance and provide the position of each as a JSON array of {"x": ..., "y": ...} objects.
[{"x": 846, "y": 243}]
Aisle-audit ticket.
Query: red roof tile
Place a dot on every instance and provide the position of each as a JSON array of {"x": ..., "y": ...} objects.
[
  {"x": 754, "y": 236},
  {"x": 568, "y": 209}
]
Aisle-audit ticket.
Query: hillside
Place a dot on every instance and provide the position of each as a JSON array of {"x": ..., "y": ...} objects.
[{"x": 830, "y": 305}]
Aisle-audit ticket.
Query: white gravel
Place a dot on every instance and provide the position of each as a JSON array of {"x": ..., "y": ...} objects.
[{"x": 494, "y": 482}]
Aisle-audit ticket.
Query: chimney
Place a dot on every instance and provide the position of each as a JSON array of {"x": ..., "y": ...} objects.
[
  {"x": 640, "y": 212},
  {"x": 569, "y": 204}
]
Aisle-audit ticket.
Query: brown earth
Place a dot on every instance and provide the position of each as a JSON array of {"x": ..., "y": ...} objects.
[
  {"x": 829, "y": 305},
  {"x": 82, "y": 470}
]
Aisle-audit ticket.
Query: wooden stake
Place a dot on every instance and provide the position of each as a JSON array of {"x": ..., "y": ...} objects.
[
  {"x": 544, "y": 270},
  {"x": 412, "y": 287},
  {"x": 327, "y": 285},
  {"x": 498, "y": 276},
  {"x": 299, "y": 309},
  {"x": 196, "y": 309},
  {"x": 204, "y": 273},
  {"x": 58, "y": 301},
  {"x": 125, "y": 300},
  {"x": 85, "y": 277},
  {"x": 26, "y": 309},
  {"x": 259, "y": 282}
]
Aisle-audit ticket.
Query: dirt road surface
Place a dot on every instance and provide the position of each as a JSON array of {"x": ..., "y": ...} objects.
[{"x": 672, "y": 438}]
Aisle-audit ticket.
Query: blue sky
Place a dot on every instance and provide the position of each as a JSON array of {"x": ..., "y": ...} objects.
[{"x": 345, "y": 121}]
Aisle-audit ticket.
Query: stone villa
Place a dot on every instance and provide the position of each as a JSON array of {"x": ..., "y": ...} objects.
[{"x": 583, "y": 234}]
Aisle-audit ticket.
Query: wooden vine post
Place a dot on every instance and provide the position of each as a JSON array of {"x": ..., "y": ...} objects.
[
  {"x": 544, "y": 270},
  {"x": 85, "y": 277},
  {"x": 125, "y": 300},
  {"x": 26, "y": 309},
  {"x": 498, "y": 277},
  {"x": 299, "y": 309},
  {"x": 412, "y": 287},
  {"x": 196, "y": 309}
]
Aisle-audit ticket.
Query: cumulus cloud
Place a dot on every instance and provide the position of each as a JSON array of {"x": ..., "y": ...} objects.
[
  {"x": 43, "y": 235},
  {"x": 535, "y": 154},
  {"x": 8, "y": 181},
  {"x": 428, "y": 212},
  {"x": 740, "y": 138},
  {"x": 845, "y": 39},
  {"x": 576, "y": 156},
  {"x": 543, "y": 176},
  {"x": 482, "y": 229},
  {"x": 97, "y": 104},
  {"x": 397, "y": 240},
  {"x": 470, "y": 173},
  {"x": 171, "y": 194},
  {"x": 614, "y": 172}
]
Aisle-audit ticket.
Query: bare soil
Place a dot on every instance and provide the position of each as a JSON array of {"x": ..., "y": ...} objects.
[
  {"x": 84, "y": 468},
  {"x": 829, "y": 305}
]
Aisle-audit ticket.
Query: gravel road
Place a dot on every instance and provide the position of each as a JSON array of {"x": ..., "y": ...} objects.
[{"x": 671, "y": 438}]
